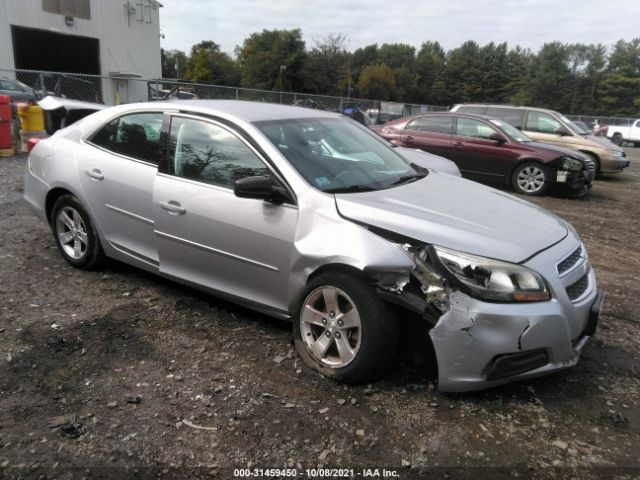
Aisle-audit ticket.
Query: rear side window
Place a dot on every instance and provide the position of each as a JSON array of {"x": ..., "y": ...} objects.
[
  {"x": 469, "y": 127},
  {"x": 472, "y": 109},
  {"x": 431, "y": 124},
  {"x": 513, "y": 116},
  {"x": 136, "y": 135},
  {"x": 10, "y": 86},
  {"x": 208, "y": 153},
  {"x": 542, "y": 122}
]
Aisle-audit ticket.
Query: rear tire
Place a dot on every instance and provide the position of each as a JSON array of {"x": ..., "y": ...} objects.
[
  {"x": 531, "y": 178},
  {"x": 617, "y": 139},
  {"x": 75, "y": 234},
  {"x": 343, "y": 330}
]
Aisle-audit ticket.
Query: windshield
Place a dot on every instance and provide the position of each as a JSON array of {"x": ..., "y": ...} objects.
[
  {"x": 337, "y": 155},
  {"x": 572, "y": 126},
  {"x": 510, "y": 130}
]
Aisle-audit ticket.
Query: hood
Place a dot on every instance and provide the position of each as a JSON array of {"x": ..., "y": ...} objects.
[
  {"x": 460, "y": 214},
  {"x": 62, "y": 112},
  {"x": 559, "y": 150},
  {"x": 605, "y": 142},
  {"x": 428, "y": 160}
]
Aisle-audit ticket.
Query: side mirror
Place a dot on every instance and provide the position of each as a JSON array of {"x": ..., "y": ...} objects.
[
  {"x": 259, "y": 187},
  {"x": 496, "y": 137},
  {"x": 563, "y": 132}
]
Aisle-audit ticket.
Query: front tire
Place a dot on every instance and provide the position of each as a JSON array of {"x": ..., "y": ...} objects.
[
  {"x": 343, "y": 330},
  {"x": 75, "y": 233},
  {"x": 531, "y": 178}
]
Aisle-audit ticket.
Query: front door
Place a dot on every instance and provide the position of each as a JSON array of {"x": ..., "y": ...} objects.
[
  {"x": 544, "y": 128},
  {"x": 477, "y": 156},
  {"x": 206, "y": 235},
  {"x": 117, "y": 169}
]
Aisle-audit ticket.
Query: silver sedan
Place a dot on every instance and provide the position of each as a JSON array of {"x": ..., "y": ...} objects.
[{"x": 308, "y": 216}]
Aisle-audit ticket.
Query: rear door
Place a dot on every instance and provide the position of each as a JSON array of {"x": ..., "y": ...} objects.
[
  {"x": 476, "y": 155},
  {"x": 206, "y": 235},
  {"x": 430, "y": 133},
  {"x": 117, "y": 168}
]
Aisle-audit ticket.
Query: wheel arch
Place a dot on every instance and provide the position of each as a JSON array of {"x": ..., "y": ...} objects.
[
  {"x": 338, "y": 268},
  {"x": 521, "y": 161},
  {"x": 594, "y": 156},
  {"x": 52, "y": 196}
]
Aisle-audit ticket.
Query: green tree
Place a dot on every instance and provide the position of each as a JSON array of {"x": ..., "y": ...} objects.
[
  {"x": 327, "y": 67},
  {"x": 273, "y": 60},
  {"x": 552, "y": 82},
  {"x": 397, "y": 55},
  {"x": 377, "y": 82},
  {"x": 620, "y": 92},
  {"x": 465, "y": 73},
  {"x": 208, "y": 64},
  {"x": 174, "y": 63},
  {"x": 363, "y": 57},
  {"x": 431, "y": 69}
]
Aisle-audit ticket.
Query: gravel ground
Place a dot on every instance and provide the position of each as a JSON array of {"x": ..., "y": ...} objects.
[{"x": 119, "y": 374}]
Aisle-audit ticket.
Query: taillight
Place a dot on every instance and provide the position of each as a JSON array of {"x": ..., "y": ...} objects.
[{"x": 32, "y": 143}]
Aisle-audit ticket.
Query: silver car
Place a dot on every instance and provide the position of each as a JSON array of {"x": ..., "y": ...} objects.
[{"x": 308, "y": 216}]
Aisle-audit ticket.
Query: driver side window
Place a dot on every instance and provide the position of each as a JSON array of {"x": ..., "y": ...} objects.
[
  {"x": 542, "y": 122},
  {"x": 208, "y": 153}
]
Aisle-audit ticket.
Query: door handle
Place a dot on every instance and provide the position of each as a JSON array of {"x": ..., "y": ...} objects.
[
  {"x": 173, "y": 207},
  {"x": 95, "y": 173},
  {"x": 407, "y": 138},
  {"x": 458, "y": 144}
]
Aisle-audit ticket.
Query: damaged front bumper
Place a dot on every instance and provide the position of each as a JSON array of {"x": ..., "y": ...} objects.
[{"x": 480, "y": 344}]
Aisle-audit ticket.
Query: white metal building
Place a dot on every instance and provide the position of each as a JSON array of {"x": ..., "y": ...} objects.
[{"x": 119, "y": 39}]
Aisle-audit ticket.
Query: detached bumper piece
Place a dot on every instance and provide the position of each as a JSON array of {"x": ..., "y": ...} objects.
[{"x": 513, "y": 364}]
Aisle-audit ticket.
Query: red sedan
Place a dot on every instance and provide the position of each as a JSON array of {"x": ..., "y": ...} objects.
[{"x": 488, "y": 149}]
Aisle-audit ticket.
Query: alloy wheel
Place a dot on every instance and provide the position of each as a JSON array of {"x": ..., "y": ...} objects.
[
  {"x": 71, "y": 232},
  {"x": 530, "y": 179},
  {"x": 331, "y": 327}
]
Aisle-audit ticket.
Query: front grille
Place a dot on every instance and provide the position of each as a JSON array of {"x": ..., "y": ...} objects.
[
  {"x": 577, "y": 289},
  {"x": 569, "y": 262}
]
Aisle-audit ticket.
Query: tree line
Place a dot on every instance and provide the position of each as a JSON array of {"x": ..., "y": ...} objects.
[{"x": 572, "y": 78}]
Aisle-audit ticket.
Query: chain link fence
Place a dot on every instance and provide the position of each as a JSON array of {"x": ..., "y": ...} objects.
[
  {"x": 113, "y": 90},
  {"x": 589, "y": 120}
]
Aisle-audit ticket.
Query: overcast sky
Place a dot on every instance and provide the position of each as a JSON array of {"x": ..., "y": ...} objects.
[{"x": 528, "y": 23}]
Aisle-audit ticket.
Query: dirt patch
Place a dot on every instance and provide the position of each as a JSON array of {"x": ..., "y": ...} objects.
[{"x": 137, "y": 364}]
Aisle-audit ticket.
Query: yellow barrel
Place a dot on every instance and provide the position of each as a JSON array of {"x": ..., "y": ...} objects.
[{"x": 31, "y": 118}]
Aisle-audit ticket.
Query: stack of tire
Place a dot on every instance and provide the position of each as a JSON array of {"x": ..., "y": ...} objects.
[
  {"x": 6, "y": 122},
  {"x": 31, "y": 124}
]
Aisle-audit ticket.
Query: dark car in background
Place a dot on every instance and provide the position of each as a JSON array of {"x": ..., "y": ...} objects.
[
  {"x": 16, "y": 90},
  {"x": 489, "y": 149}
]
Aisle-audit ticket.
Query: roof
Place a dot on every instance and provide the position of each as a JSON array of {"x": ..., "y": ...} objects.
[
  {"x": 498, "y": 105},
  {"x": 252, "y": 111}
]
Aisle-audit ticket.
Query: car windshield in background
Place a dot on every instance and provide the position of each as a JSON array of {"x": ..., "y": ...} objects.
[
  {"x": 575, "y": 128},
  {"x": 512, "y": 131},
  {"x": 338, "y": 156}
]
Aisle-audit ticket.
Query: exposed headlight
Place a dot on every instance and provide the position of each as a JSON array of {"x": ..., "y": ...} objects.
[
  {"x": 615, "y": 153},
  {"x": 569, "y": 163},
  {"x": 490, "y": 279}
]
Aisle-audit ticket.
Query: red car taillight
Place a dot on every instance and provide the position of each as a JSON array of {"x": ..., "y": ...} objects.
[{"x": 32, "y": 143}]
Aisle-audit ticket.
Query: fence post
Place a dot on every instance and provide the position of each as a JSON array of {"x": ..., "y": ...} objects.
[{"x": 236, "y": 94}]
